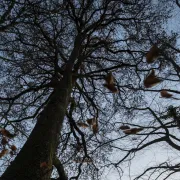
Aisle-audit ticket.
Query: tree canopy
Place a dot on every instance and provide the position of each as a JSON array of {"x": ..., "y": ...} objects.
[{"x": 87, "y": 85}]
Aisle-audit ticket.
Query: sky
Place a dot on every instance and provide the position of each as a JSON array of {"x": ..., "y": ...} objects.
[{"x": 153, "y": 154}]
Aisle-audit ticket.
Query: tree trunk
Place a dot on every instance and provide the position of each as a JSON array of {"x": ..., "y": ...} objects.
[{"x": 34, "y": 161}]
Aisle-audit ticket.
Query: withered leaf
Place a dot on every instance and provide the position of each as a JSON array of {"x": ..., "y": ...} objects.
[
  {"x": 165, "y": 94},
  {"x": 123, "y": 127},
  {"x": 151, "y": 80},
  {"x": 4, "y": 141},
  {"x": 13, "y": 148},
  {"x": 111, "y": 87},
  {"x": 83, "y": 125},
  {"x": 91, "y": 121},
  {"x": 6, "y": 133},
  {"x": 3, "y": 152},
  {"x": 109, "y": 78},
  {"x": 110, "y": 83},
  {"x": 95, "y": 128},
  {"x": 152, "y": 54},
  {"x": 133, "y": 130}
]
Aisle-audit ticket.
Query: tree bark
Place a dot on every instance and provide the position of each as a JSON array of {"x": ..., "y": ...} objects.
[
  {"x": 34, "y": 161},
  {"x": 60, "y": 169}
]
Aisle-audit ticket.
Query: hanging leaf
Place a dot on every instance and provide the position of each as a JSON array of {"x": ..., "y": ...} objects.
[
  {"x": 6, "y": 133},
  {"x": 4, "y": 141},
  {"x": 95, "y": 127},
  {"x": 111, "y": 87},
  {"x": 152, "y": 54},
  {"x": 151, "y": 80},
  {"x": 110, "y": 83},
  {"x": 133, "y": 130},
  {"x": 123, "y": 127},
  {"x": 165, "y": 94},
  {"x": 109, "y": 78},
  {"x": 91, "y": 121},
  {"x": 83, "y": 125},
  {"x": 3, "y": 152},
  {"x": 13, "y": 148}
]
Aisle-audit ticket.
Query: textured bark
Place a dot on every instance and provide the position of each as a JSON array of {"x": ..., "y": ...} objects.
[
  {"x": 41, "y": 145},
  {"x": 60, "y": 169}
]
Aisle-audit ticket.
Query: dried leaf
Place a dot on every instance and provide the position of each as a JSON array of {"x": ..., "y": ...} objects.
[
  {"x": 133, "y": 130},
  {"x": 111, "y": 87},
  {"x": 13, "y": 148},
  {"x": 124, "y": 127},
  {"x": 6, "y": 133},
  {"x": 81, "y": 124},
  {"x": 3, "y": 152},
  {"x": 91, "y": 121},
  {"x": 4, "y": 141},
  {"x": 110, "y": 83},
  {"x": 151, "y": 80},
  {"x": 110, "y": 78},
  {"x": 95, "y": 127},
  {"x": 127, "y": 131},
  {"x": 152, "y": 54},
  {"x": 165, "y": 94}
]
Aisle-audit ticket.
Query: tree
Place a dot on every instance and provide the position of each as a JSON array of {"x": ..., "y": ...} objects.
[{"x": 55, "y": 57}]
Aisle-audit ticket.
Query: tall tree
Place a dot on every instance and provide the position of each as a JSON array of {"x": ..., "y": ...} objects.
[{"x": 55, "y": 58}]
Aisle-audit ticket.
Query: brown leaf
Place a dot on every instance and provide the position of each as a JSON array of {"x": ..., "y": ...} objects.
[
  {"x": 151, "y": 80},
  {"x": 110, "y": 83},
  {"x": 6, "y": 133},
  {"x": 124, "y": 127},
  {"x": 43, "y": 165},
  {"x": 13, "y": 148},
  {"x": 95, "y": 127},
  {"x": 91, "y": 121},
  {"x": 4, "y": 141},
  {"x": 165, "y": 94},
  {"x": 109, "y": 78},
  {"x": 152, "y": 54},
  {"x": 133, "y": 130},
  {"x": 127, "y": 131},
  {"x": 81, "y": 124},
  {"x": 3, "y": 152},
  {"x": 111, "y": 87}
]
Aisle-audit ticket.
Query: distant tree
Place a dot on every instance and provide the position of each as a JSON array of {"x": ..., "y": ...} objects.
[{"x": 72, "y": 72}]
